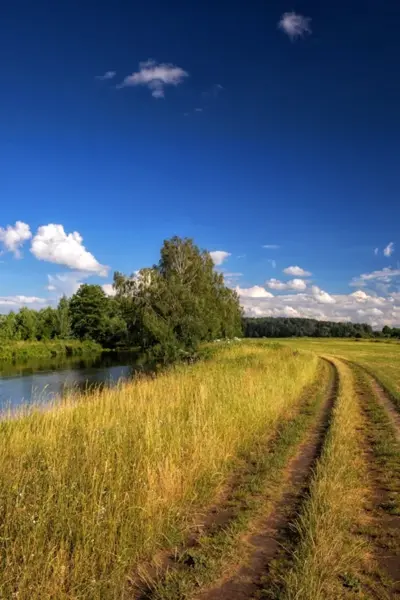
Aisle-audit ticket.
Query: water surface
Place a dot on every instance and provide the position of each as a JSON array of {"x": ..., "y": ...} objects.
[{"x": 41, "y": 380}]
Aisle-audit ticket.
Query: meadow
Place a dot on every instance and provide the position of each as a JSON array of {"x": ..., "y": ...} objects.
[
  {"x": 381, "y": 358},
  {"x": 97, "y": 484},
  {"x": 98, "y": 490}
]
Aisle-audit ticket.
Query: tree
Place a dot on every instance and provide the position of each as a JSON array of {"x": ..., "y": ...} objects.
[
  {"x": 63, "y": 318},
  {"x": 26, "y": 324},
  {"x": 89, "y": 313},
  {"x": 179, "y": 302}
]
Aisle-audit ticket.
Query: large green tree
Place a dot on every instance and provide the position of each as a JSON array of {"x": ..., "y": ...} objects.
[
  {"x": 179, "y": 302},
  {"x": 89, "y": 313}
]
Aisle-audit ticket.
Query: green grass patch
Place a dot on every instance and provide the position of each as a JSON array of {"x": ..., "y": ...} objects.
[{"x": 22, "y": 351}]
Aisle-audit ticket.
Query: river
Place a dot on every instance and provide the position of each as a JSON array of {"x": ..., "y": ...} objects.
[{"x": 43, "y": 380}]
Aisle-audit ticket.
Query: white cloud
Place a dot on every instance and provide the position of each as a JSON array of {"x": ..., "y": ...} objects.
[
  {"x": 107, "y": 75},
  {"x": 219, "y": 256},
  {"x": 52, "y": 244},
  {"x": 9, "y": 303},
  {"x": 294, "y": 25},
  {"x": 318, "y": 304},
  {"x": 109, "y": 289},
  {"x": 376, "y": 251},
  {"x": 293, "y": 284},
  {"x": 388, "y": 251},
  {"x": 272, "y": 263},
  {"x": 155, "y": 77},
  {"x": 322, "y": 296},
  {"x": 385, "y": 275},
  {"x": 271, "y": 246},
  {"x": 253, "y": 292},
  {"x": 14, "y": 236},
  {"x": 296, "y": 272}
]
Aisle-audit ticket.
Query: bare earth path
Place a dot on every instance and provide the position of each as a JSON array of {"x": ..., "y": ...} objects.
[{"x": 268, "y": 534}]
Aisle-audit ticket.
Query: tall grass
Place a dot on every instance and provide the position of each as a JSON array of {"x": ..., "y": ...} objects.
[
  {"x": 329, "y": 549},
  {"x": 20, "y": 351},
  {"x": 95, "y": 485}
]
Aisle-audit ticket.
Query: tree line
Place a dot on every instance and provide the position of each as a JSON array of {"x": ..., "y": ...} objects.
[
  {"x": 166, "y": 310},
  {"x": 297, "y": 327}
]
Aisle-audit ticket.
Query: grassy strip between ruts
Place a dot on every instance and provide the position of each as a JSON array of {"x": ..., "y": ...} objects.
[
  {"x": 20, "y": 351},
  {"x": 262, "y": 486},
  {"x": 96, "y": 486},
  {"x": 382, "y": 528},
  {"x": 328, "y": 549}
]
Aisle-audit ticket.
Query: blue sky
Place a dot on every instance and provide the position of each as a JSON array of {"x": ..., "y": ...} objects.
[{"x": 240, "y": 126}]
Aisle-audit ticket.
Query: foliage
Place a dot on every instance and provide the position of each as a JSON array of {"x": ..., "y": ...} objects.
[
  {"x": 295, "y": 327},
  {"x": 20, "y": 351},
  {"x": 180, "y": 302},
  {"x": 166, "y": 310}
]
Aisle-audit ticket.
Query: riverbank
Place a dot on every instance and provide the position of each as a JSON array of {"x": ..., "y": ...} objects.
[{"x": 20, "y": 351}]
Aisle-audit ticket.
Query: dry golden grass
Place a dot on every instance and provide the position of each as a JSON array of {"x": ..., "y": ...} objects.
[
  {"x": 95, "y": 485},
  {"x": 328, "y": 548}
]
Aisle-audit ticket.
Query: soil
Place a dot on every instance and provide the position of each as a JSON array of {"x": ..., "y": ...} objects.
[{"x": 269, "y": 534}]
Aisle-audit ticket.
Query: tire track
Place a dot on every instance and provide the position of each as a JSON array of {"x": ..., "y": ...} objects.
[
  {"x": 269, "y": 534},
  {"x": 382, "y": 451}
]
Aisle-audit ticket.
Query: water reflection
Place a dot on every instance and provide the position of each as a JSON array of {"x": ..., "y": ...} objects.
[{"x": 43, "y": 380}]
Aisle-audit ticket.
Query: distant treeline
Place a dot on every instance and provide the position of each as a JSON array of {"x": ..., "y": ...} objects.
[
  {"x": 296, "y": 327},
  {"x": 166, "y": 310}
]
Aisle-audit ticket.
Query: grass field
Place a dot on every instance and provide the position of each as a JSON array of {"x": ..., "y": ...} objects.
[
  {"x": 381, "y": 358},
  {"x": 94, "y": 486},
  {"x": 100, "y": 488}
]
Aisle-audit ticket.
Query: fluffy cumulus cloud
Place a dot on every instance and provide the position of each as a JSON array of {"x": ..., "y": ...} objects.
[
  {"x": 13, "y": 237},
  {"x": 253, "y": 292},
  {"x": 296, "y": 272},
  {"x": 155, "y": 76},
  {"x": 52, "y": 244},
  {"x": 388, "y": 251},
  {"x": 219, "y": 256},
  {"x": 318, "y": 304},
  {"x": 293, "y": 284},
  {"x": 294, "y": 25},
  {"x": 321, "y": 296}
]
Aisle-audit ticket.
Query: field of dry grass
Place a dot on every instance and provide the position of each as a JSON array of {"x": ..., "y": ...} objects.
[{"x": 97, "y": 484}]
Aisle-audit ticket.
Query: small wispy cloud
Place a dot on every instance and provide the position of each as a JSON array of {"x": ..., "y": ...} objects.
[
  {"x": 272, "y": 262},
  {"x": 376, "y": 251},
  {"x": 214, "y": 91},
  {"x": 294, "y": 25},
  {"x": 271, "y": 246},
  {"x": 388, "y": 251},
  {"x": 155, "y": 76},
  {"x": 107, "y": 75}
]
